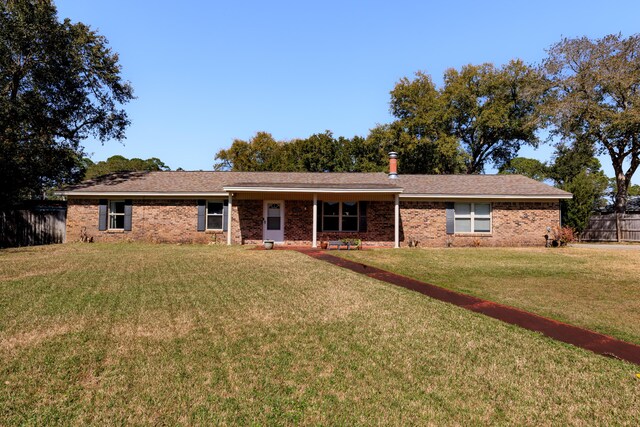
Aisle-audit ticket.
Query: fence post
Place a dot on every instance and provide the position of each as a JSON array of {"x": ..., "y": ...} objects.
[{"x": 618, "y": 231}]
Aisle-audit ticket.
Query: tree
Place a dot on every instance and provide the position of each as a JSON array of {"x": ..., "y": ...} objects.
[
  {"x": 418, "y": 133},
  {"x": 531, "y": 168},
  {"x": 576, "y": 170},
  {"x": 260, "y": 153},
  {"x": 482, "y": 115},
  {"x": 320, "y": 152},
  {"x": 60, "y": 84},
  {"x": 491, "y": 111},
  {"x": 122, "y": 164},
  {"x": 594, "y": 100}
]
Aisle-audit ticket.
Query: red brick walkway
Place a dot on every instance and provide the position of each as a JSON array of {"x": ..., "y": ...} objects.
[{"x": 584, "y": 338}]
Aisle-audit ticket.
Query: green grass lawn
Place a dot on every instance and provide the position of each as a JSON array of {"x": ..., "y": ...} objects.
[
  {"x": 164, "y": 334},
  {"x": 593, "y": 288}
]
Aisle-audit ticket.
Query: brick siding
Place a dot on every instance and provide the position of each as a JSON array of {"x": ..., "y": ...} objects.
[{"x": 175, "y": 221}]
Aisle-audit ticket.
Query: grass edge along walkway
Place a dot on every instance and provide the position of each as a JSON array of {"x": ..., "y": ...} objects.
[{"x": 579, "y": 337}]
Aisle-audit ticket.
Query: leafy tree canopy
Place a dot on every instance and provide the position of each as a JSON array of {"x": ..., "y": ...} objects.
[
  {"x": 122, "y": 164},
  {"x": 576, "y": 170},
  {"x": 318, "y": 153},
  {"x": 532, "y": 168},
  {"x": 594, "y": 100},
  {"x": 481, "y": 115},
  {"x": 60, "y": 84}
]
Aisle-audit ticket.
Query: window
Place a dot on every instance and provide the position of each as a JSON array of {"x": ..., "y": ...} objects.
[
  {"x": 472, "y": 217},
  {"x": 116, "y": 215},
  {"x": 214, "y": 215},
  {"x": 340, "y": 216}
]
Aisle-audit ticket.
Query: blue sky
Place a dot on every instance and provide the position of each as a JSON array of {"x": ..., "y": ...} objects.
[{"x": 206, "y": 72}]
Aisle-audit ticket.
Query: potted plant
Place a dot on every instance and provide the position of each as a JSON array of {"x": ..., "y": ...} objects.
[{"x": 268, "y": 244}]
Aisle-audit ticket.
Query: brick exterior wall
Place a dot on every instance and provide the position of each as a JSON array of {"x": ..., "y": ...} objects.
[
  {"x": 175, "y": 221},
  {"x": 513, "y": 224}
]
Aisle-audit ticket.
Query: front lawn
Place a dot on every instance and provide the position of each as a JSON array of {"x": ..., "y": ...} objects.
[
  {"x": 593, "y": 288},
  {"x": 164, "y": 334}
]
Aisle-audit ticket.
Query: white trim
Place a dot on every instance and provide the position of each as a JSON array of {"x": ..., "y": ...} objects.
[
  {"x": 229, "y": 217},
  {"x": 115, "y": 214},
  {"x": 485, "y": 196},
  {"x": 139, "y": 194},
  {"x": 207, "y": 214},
  {"x": 321, "y": 190},
  {"x": 396, "y": 222},
  {"x": 312, "y": 190},
  {"x": 265, "y": 210},
  {"x": 315, "y": 221},
  {"x": 472, "y": 218}
]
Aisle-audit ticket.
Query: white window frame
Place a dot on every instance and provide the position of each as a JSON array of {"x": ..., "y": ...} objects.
[
  {"x": 340, "y": 216},
  {"x": 207, "y": 215},
  {"x": 472, "y": 216},
  {"x": 112, "y": 214}
]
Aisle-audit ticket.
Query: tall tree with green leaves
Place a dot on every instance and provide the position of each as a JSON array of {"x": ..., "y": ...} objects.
[
  {"x": 418, "y": 134},
  {"x": 532, "y": 168},
  {"x": 576, "y": 170},
  {"x": 122, "y": 164},
  {"x": 594, "y": 100},
  {"x": 481, "y": 115},
  {"x": 258, "y": 154},
  {"x": 491, "y": 111},
  {"x": 60, "y": 83}
]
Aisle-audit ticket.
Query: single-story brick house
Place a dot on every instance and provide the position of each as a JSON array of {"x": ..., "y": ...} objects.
[{"x": 297, "y": 208}]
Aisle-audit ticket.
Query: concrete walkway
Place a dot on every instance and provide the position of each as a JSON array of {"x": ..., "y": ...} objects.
[{"x": 584, "y": 338}]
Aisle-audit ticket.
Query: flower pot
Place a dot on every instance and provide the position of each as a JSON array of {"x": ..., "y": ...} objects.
[
  {"x": 268, "y": 244},
  {"x": 324, "y": 245}
]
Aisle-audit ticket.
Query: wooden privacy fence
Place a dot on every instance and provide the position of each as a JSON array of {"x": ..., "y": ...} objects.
[
  {"x": 609, "y": 228},
  {"x": 33, "y": 224}
]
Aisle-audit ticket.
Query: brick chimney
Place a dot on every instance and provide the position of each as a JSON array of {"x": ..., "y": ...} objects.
[{"x": 393, "y": 165}]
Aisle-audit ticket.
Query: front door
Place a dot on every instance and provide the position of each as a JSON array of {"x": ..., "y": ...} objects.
[{"x": 274, "y": 220}]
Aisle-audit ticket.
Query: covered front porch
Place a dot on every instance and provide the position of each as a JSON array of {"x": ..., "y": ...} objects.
[{"x": 306, "y": 216}]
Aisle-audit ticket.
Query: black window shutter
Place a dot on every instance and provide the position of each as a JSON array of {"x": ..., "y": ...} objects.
[
  {"x": 319, "y": 216},
  {"x": 202, "y": 210},
  {"x": 128, "y": 209},
  {"x": 225, "y": 215},
  {"x": 363, "y": 216},
  {"x": 450, "y": 217},
  {"x": 102, "y": 214}
]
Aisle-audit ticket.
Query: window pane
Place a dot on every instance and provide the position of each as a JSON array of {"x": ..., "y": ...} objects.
[
  {"x": 273, "y": 210},
  {"x": 331, "y": 208},
  {"x": 463, "y": 209},
  {"x": 350, "y": 223},
  {"x": 331, "y": 223},
  {"x": 116, "y": 207},
  {"x": 350, "y": 209},
  {"x": 482, "y": 208},
  {"x": 116, "y": 222},
  {"x": 273, "y": 223},
  {"x": 482, "y": 225},
  {"x": 463, "y": 225},
  {"x": 214, "y": 222},
  {"x": 215, "y": 208}
]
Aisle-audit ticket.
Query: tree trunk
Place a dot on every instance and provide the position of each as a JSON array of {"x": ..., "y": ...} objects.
[
  {"x": 621, "y": 200},
  {"x": 621, "y": 192}
]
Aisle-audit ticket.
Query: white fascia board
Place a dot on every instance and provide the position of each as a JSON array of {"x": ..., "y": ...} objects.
[
  {"x": 139, "y": 194},
  {"x": 319, "y": 190},
  {"x": 485, "y": 196}
]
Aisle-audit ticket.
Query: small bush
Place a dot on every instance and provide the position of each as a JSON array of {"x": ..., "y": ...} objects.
[{"x": 563, "y": 235}]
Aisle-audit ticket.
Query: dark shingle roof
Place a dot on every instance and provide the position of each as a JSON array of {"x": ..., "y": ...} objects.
[{"x": 212, "y": 182}]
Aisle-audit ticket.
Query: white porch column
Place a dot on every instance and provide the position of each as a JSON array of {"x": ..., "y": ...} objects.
[
  {"x": 396, "y": 223},
  {"x": 229, "y": 217},
  {"x": 315, "y": 221}
]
